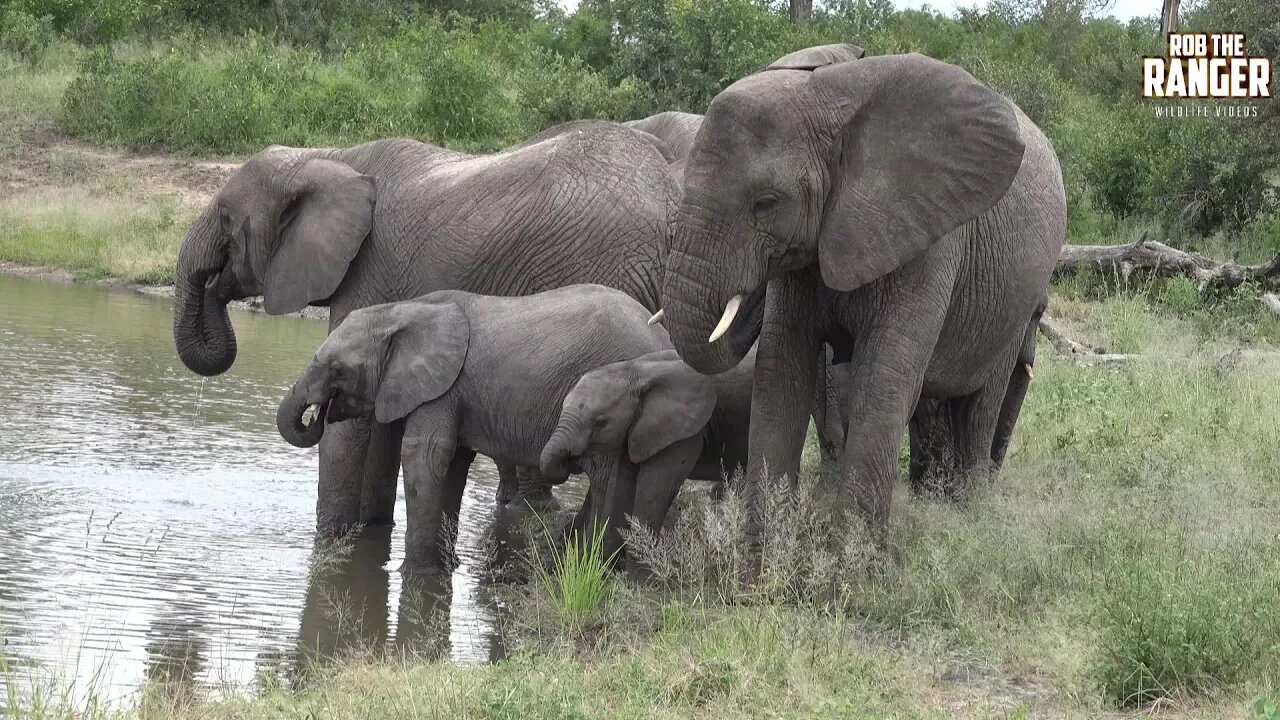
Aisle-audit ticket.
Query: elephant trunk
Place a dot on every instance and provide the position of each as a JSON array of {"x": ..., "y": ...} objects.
[
  {"x": 694, "y": 306},
  {"x": 202, "y": 329},
  {"x": 568, "y": 440},
  {"x": 289, "y": 420}
]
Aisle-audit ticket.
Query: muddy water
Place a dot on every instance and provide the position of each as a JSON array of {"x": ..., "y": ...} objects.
[{"x": 154, "y": 526}]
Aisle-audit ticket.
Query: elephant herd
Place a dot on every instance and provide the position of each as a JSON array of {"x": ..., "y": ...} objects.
[{"x": 864, "y": 240}]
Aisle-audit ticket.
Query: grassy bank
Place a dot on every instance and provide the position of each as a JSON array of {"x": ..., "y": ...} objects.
[
  {"x": 1125, "y": 564},
  {"x": 96, "y": 212}
]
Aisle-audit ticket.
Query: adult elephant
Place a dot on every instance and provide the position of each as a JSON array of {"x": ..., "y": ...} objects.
[
  {"x": 673, "y": 129},
  {"x": 894, "y": 207},
  {"x": 395, "y": 219}
]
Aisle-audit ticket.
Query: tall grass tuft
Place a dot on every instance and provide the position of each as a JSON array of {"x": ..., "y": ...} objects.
[{"x": 576, "y": 577}]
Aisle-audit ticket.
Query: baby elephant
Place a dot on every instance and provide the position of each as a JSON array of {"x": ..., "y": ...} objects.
[
  {"x": 468, "y": 373},
  {"x": 670, "y": 420}
]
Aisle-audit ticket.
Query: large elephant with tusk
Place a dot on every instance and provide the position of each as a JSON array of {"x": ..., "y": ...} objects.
[{"x": 895, "y": 208}]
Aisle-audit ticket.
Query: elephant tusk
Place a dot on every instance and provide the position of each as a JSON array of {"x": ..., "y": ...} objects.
[
  {"x": 730, "y": 312},
  {"x": 1030, "y": 375},
  {"x": 309, "y": 414},
  {"x": 657, "y": 317}
]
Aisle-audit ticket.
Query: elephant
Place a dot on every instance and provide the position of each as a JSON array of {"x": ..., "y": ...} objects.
[
  {"x": 395, "y": 219},
  {"x": 467, "y": 374},
  {"x": 613, "y": 409},
  {"x": 894, "y": 207},
  {"x": 521, "y": 487},
  {"x": 673, "y": 130}
]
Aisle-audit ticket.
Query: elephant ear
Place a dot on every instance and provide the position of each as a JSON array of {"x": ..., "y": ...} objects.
[
  {"x": 920, "y": 147},
  {"x": 426, "y": 348},
  {"x": 676, "y": 403},
  {"x": 811, "y": 58},
  {"x": 326, "y": 220}
]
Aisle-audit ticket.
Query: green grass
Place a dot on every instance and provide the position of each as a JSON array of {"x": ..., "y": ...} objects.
[
  {"x": 575, "y": 579},
  {"x": 94, "y": 235}
]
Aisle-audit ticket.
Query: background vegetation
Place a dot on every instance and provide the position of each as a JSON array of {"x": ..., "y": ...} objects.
[{"x": 232, "y": 76}]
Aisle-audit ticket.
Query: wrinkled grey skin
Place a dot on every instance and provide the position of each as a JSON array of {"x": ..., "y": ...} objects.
[
  {"x": 466, "y": 374},
  {"x": 894, "y": 207},
  {"x": 395, "y": 219},
  {"x": 615, "y": 409},
  {"x": 674, "y": 130}
]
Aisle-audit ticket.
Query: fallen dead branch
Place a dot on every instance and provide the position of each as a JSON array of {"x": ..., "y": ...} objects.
[
  {"x": 1272, "y": 301},
  {"x": 1076, "y": 350},
  {"x": 1155, "y": 258}
]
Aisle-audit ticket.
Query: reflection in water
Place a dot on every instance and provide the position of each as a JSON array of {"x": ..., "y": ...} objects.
[
  {"x": 347, "y": 593},
  {"x": 154, "y": 526}
]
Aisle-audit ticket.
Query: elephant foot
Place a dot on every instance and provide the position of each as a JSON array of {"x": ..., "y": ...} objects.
[
  {"x": 540, "y": 501},
  {"x": 337, "y": 528}
]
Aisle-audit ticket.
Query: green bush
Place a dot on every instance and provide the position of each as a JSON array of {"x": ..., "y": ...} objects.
[
  {"x": 483, "y": 75},
  {"x": 1182, "y": 619},
  {"x": 24, "y": 35},
  {"x": 88, "y": 22},
  {"x": 427, "y": 81}
]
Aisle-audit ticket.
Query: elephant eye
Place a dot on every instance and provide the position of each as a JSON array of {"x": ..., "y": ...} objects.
[
  {"x": 225, "y": 217},
  {"x": 764, "y": 206}
]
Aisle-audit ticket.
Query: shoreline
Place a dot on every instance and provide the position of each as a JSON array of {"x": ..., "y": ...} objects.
[{"x": 48, "y": 273}]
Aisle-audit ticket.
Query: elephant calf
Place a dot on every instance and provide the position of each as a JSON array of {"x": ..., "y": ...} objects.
[
  {"x": 471, "y": 373},
  {"x": 669, "y": 420}
]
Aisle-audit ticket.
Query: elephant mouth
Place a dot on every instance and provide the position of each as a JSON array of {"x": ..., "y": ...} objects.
[
  {"x": 221, "y": 285},
  {"x": 316, "y": 414},
  {"x": 745, "y": 329}
]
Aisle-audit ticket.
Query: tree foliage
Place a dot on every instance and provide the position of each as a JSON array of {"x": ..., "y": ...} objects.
[{"x": 490, "y": 72}]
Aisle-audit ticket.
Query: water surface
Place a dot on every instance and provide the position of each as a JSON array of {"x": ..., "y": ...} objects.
[{"x": 153, "y": 525}]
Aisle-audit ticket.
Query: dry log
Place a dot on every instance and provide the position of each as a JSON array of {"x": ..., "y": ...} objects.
[
  {"x": 1272, "y": 301},
  {"x": 1156, "y": 258},
  {"x": 1078, "y": 351}
]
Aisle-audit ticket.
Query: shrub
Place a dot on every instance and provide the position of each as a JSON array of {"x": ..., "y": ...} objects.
[
  {"x": 1181, "y": 619},
  {"x": 427, "y": 81},
  {"x": 24, "y": 35}
]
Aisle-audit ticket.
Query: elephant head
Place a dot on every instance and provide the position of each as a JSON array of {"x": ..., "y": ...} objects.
[
  {"x": 382, "y": 361},
  {"x": 285, "y": 226},
  {"x": 811, "y": 58},
  {"x": 851, "y": 169},
  {"x": 644, "y": 405}
]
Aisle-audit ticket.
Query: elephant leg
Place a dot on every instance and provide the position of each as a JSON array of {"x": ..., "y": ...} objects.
[
  {"x": 659, "y": 479},
  {"x": 534, "y": 489},
  {"x": 508, "y": 483},
  {"x": 619, "y": 500},
  {"x": 932, "y": 445},
  {"x": 381, "y": 472},
  {"x": 954, "y": 438},
  {"x": 783, "y": 385},
  {"x": 902, "y": 319},
  {"x": 1019, "y": 382},
  {"x": 821, "y": 407},
  {"x": 435, "y": 477},
  {"x": 359, "y": 463},
  {"x": 343, "y": 450},
  {"x": 610, "y": 495}
]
